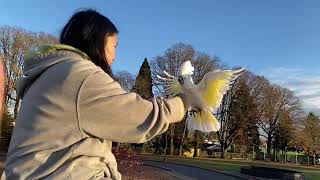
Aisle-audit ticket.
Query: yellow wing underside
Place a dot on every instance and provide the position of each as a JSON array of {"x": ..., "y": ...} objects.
[{"x": 216, "y": 89}]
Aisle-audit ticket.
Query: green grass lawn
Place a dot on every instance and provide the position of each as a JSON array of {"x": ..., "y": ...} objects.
[{"x": 234, "y": 165}]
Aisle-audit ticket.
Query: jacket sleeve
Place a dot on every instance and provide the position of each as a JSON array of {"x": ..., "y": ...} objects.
[{"x": 106, "y": 111}]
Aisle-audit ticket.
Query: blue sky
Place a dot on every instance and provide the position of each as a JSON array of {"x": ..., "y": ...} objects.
[{"x": 277, "y": 39}]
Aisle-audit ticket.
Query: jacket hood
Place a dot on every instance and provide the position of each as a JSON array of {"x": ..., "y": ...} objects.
[{"x": 37, "y": 61}]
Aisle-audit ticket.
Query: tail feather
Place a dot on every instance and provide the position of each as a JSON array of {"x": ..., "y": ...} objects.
[{"x": 203, "y": 121}]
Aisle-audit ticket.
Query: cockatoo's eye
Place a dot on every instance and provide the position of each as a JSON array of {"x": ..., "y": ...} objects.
[{"x": 180, "y": 79}]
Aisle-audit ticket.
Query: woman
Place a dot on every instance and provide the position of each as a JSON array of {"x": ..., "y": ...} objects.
[{"x": 72, "y": 109}]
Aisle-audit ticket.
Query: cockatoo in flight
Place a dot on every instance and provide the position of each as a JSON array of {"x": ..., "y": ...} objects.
[{"x": 207, "y": 94}]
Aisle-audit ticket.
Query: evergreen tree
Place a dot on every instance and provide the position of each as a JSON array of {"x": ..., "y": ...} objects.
[
  {"x": 239, "y": 125},
  {"x": 143, "y": 87},
  {"x": 284, "y": 132},
  {"x": 143, "y": 84}
]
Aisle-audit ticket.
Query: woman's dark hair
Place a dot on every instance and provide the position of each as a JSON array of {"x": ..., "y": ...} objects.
[{"x": 86, "y": 31}]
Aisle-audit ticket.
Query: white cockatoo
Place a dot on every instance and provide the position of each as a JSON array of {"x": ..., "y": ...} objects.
[{"x": 207, "y": 94}]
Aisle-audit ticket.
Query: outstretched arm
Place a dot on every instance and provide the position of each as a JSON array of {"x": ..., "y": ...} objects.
[{"x": 108, "y": 112}]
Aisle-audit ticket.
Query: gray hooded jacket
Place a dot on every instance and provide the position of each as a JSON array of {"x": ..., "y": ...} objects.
[{"x": 71, "y": 112}]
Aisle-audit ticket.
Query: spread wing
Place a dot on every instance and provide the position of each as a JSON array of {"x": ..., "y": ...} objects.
[
  {"x": 170, "y": 84},
  {"x": 215, "y": 84}
]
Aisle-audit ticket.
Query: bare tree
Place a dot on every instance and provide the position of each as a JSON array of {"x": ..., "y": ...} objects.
[
  {"x": 14, "y": 43},
  {"x": 274, "y": 101},
  {"x": 2, "y": 84},
  {"x": 170, "y": 62},
  {"x": 125, "y": 79}
]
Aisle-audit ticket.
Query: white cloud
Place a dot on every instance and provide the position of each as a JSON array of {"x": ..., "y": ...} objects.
[{"x": 305, "y": 84}]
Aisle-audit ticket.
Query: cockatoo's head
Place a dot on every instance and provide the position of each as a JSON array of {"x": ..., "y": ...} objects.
[
  {"x": 186, "y": 82},
  {"x": 186, "y": 69}
]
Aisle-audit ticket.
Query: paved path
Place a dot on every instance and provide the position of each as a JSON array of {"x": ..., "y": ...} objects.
[{"x": 189, "y": 172}]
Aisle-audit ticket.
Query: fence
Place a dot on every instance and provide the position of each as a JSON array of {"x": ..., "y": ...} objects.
[{"x": 238, "y": 152}]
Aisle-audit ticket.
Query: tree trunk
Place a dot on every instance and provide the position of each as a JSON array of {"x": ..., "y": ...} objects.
[
  {"x": 171, "y": 138},
  {"x": 223, "y": 151},
  {"x": 16, "y": 109},
  {"x": 224, "y": 154},
  {"x": 253, "y": 155},
  {"x": 314, "y": 160},
  {"x": 182, "y": 139},
  {"x": 143, "y": 148},
  {"x": 195, "y": 152},
  {"x": 165, "y": 147},
  {"x": 275, "y": 154},
  {"x": 269, "y": 145}
]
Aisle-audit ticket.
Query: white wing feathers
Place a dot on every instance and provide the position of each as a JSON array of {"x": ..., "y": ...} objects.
[{"x": 170, "y": 84}]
